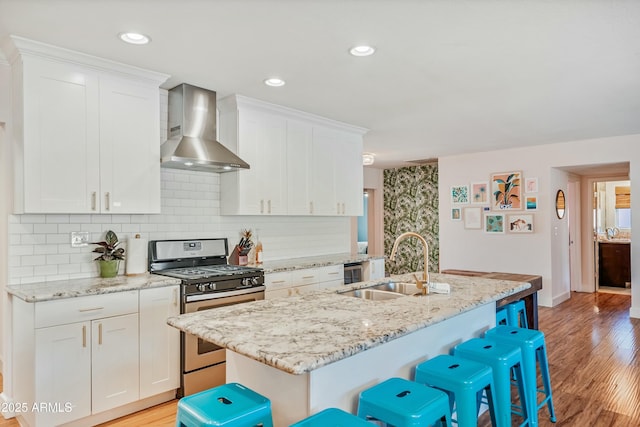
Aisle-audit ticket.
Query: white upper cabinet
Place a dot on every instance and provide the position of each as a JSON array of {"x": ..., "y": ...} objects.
[
  {"x": 87, "y": 134},
  {"x": 300, "y": 164}
]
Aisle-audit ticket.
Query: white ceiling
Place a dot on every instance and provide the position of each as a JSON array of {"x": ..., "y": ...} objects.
[{"x": 448, "y": 76}]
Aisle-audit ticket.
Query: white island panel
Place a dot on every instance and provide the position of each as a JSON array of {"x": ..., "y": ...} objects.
[{"x": 338, "y": 384}]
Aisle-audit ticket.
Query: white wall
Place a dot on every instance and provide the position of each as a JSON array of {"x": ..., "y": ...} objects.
[
  {"x": 5, "y": 192},
  {"x": 374, "y": 180},
  {"x": 543, "y": 252}
]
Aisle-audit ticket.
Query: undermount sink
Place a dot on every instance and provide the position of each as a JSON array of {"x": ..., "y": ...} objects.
[
  {"x": 403, "y": 288},
  {"x": 372, "y": 294}
]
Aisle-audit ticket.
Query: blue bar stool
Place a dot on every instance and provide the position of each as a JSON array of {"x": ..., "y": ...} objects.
[
  {"x": 517, "y": 314},
  {"x": 404, "y": 403},
  {"x": 464, "y": 381},
  {"x": 231, "y": 405},
  {"x": 502, "y": 316},
  {"x": 332, "y": 417},
  {"x": 534, "y": 354},
  {"x": 503, "y": 358}
]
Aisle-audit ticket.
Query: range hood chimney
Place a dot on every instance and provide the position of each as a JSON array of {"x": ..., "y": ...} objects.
[{"x": 192, "y": 141}]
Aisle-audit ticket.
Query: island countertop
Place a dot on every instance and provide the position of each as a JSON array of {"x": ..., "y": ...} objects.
[{"x": 299, "y": 334}]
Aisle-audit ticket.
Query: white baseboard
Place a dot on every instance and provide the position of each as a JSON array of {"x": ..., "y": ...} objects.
[
  {"x": 634, "y": 312},
  {"x": 560, "y": 298}
]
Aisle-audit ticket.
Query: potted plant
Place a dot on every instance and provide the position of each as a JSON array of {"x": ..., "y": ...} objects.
[
  {"x": 505, "y": 191},
  {"x": 110, "y": 255}
]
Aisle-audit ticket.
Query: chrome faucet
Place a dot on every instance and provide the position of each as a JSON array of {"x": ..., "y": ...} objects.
[{"x": 424, "y": 283}]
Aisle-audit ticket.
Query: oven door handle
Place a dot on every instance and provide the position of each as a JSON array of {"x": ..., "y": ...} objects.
[{"x": 216, "y": 295}]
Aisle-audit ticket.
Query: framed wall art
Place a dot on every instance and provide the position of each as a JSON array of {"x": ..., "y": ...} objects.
[
  {"x": 494, "y": 223},
  {"x": 472, "y": 218},
  {"x": 460, "y": 194},
  {"x": 480, "y": 193},
  {"x": 520, "y": 223},
  {"x": 506, "y": 191},
  {"x": 531, "y": 185},
  {"x": 456, "y": 214},
  {"x": 531, "y": 203}
]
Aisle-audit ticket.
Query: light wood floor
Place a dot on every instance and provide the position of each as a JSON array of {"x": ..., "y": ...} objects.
[{"x": 593, "y": 348}]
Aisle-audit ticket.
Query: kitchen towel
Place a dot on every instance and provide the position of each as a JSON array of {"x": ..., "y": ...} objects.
[{"x": 136, "y": 256}]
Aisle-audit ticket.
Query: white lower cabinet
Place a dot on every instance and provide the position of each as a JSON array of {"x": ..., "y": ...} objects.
[
  {"x": 63, "y": 372},
  {"x": 159, "y": 342},
  {"x": 373, "y": 269},
  {"x": 88, "y": 355}
]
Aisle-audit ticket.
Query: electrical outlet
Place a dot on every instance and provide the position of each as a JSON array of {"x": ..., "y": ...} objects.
[{"x": 79, "y": 239}]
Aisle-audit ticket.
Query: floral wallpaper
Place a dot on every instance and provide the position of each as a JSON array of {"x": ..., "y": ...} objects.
[{"x": 411, "y": 204}]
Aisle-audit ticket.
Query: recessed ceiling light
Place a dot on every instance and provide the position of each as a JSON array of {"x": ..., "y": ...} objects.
[
  {"x": 363, "y": 50},
  {"x": 368, "y": 159},
  {"x": 274, "y": 81},
  {"x": 134, "y": 38}
]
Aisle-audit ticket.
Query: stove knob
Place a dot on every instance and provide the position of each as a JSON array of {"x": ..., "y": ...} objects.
[
  {"x": 245, "y": 281},
  {"x": 202, "y": 287},
  {"x": 254, "y": 280}
]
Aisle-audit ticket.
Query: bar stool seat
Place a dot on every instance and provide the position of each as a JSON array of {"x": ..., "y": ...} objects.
[
  {"x": 517, "y": 314},
  {"x": 332, "y": 417},
  {"x": 464, "y": 381},
  {"x": 534, "y": 355},
  {"x": 503, "y": 358},
  {"x": 404, "y": 403},
  {"x": 230, "y": 405}
]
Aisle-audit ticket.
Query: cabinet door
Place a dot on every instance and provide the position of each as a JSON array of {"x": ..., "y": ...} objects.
[
  {"x": 129, "y": 147},
  {"x": 276, "y": 293},
  {"x": 159, "y": 342},
  {"x": 115, "y": 373},
  {"x": 60, "y": 138},
  {"x": 273, "y": 169},
  {"x": 63, "y": 371},
  {"x": 349, "y": 175},
  {"x": 299, "y": 165},
  {"x": 323, "y": 173}
]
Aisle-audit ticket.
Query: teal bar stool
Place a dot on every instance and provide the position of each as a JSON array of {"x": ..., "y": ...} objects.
[
  {"x": 517, "y": 314},
  {"x": 534, "y": 355},
  {"x": 502, "y": 316},
  {"x": 332, "y": 417},
  {"x": 503, "y": 358},
  {"x": 403, "y": 403},
  {"x": 464, "y": 381},
  {"x": 229, "y": 405}
]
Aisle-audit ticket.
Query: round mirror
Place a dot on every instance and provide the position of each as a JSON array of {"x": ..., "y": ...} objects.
[{"x": 560, "y": 204}]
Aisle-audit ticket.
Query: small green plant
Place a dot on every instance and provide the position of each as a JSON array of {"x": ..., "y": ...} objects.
[{"x": 108, "y": 249}]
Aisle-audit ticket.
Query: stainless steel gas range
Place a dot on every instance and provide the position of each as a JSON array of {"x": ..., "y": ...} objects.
[{"x": 208, "y": 282}]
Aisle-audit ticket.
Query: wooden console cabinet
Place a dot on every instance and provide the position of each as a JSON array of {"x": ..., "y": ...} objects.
[{"x": 614, "y": 264}]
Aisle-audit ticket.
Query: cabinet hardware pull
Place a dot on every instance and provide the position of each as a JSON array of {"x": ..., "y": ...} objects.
[
  {"x": 311, "y": 207},
  {"x": 82, "y": 310},
  {"x": 84, "y": 336},
  {"x": 338, "y": 207},
  {"x": 261, "y": 206},
  {"x": 99, "y": 333},
  {"x": 107, "y": 200},
  {"x": 308, "y": 277},
  {"x": 93, "y": 200},
  {"x": 269, "y": 206},
  {"x": 278, "y": 281},
  {"x": 334, "y": 272},
  {"x": 343, "y": 209},
  {"x": 175, "y": 297}
]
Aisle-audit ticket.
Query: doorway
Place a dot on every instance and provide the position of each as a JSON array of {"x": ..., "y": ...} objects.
[{"x": 612, "y": 232}]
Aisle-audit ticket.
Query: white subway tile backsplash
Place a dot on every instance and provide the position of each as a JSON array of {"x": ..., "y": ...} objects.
[
  {"x": 45, "y": 228},
  {"x": 61, "y": 259},
  {"x": 45, "y": 249},
  {"x": 57, "y": 219},
  {"x": 30, "y": 260}
]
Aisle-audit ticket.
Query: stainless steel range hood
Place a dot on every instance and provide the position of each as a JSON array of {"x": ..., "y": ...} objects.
[{"x": 192, "y": 141}]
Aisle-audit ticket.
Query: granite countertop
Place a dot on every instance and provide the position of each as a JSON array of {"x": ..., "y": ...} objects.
[
  {"x": 45, "y": 291},
  {"x": 313, "y": 262},
  {"x": 301, "y": 333}
]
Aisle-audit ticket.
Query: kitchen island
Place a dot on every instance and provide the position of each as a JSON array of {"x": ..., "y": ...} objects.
[{"x": 319, "y": 350}]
